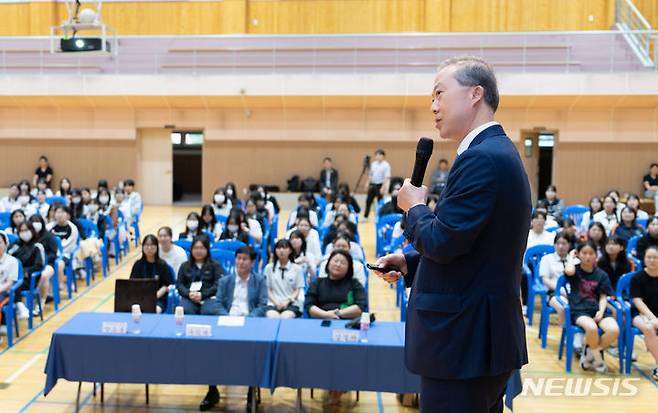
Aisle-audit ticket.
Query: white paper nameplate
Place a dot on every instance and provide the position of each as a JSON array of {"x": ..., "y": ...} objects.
[
  {"x": 230, "y": 321},
  {"x": 115, "y": 327},
  {"x": 198, "y": 330},
  {"x": 346, "y": 336}
]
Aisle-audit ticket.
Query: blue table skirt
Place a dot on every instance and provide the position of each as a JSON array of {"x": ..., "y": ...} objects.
[
  {"x": 307, "y": 357},
  {"x": 79, "y": 351}
]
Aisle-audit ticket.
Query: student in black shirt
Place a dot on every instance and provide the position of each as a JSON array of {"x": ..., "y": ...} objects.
[
  {"x": 49, "y": 244},
  {"x": 151, "y": 266},
  {"x": 644, "y": 290},
  {"x": 650, "y": 183},
  {"x": 650, "y": 238},
  {"x": 344, "y": 190},
  {"x": 613, "y": 261},
  {"x": 43, "y": 171},
  {"x": 587, "y": 293},
  {"x": 628, "y": 228},
  {"x": 236, "y": 227},
  {"x": 339, "y": 295},
  {"x": 30, "y": 254},
  {"x": 197, "y": 279}
]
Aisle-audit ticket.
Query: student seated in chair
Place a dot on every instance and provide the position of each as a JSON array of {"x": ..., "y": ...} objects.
[
  {"x": 152, "y": 266},
  {"x": 243, "y": 294},
  {"x": 644, "y": 290},
  {"x": 197, "y": 279},
  {"x": 589, "y": 289}
]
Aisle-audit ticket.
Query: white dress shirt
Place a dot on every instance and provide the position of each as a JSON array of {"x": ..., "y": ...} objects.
[
  {"x": 240, "y": 306},
  {"x": 466, "y": 142}
]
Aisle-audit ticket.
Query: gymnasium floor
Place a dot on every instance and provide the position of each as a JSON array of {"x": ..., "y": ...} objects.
[{"x": 22, "y": 378}]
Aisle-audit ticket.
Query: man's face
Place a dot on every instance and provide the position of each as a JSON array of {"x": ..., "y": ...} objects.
[
  {"x": 243, "y": 264},
  {"x": 327, "y": 164},
  {"x": 654, "y": 170},
  {"x": 379, "y": 157},
  {"x": 453, "y": 105},
  {"x": 443, "y": 166}
]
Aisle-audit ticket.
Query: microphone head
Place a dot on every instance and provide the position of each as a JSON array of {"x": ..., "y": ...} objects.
[{"x": 424, "y": 148}]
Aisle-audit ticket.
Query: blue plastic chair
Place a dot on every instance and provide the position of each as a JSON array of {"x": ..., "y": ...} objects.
[
  {"x": 569, "y": 330},
  {"x": 5, "y": 220},
  {"x": 11, "y": 239},
  {"x": 575, "y": 212},
  {"x": 91, "y": 230},
  {"x": 56, "y": 200},
  {"x": 536, "y": 288},
  {"x": 225, "y": 257},
  {"x": 228, "y": 244},
  {"x": 274, "y": 231},
  {"x": 125, "y": 246},
  {"x": 114, "y": 239},
  {"x": 30, "y": 296},
  {"x": 184, "y": 243},
  {"x": 629, "y": 331},
  {"x": 631, "y": 246},
  {"x": 68, "y": 268},
  {"x": 135, "y": 225},
  {"x": 384, "y": 228},
  {"x": 173, "y": 299},
  {"x": 9, "y": 308}
]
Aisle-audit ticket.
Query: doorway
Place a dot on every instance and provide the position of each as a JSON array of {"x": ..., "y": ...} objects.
[
  {"x": 538, "y": 152},
  {"x": 187, "y": 147}
]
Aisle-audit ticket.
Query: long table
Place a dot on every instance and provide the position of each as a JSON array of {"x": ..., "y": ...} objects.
[{"x": 264, "y": 352}]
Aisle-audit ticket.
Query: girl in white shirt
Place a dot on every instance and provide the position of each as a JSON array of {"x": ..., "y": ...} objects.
[
  {"x": 551, "y": 267},
  {"x": 538, "y": 235},
  {"x": 303, "y": 257},
  {"x": 595, "y": 205},
  {"x": 285, "y": 283},
  {"x": 221, "y": 204},
  {"x": 609, "y": 216},
  {"x": 313, "y": 246},
  {"x": 633, "y": 201}
]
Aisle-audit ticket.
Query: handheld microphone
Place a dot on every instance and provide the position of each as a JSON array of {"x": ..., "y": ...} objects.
[{"x": 423, "y": 154}]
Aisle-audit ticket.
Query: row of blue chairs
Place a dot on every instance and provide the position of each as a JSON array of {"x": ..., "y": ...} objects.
[{"x": 32, "y": 294}]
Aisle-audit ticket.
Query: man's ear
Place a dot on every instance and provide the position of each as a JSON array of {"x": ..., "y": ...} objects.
[{"x": 477, "y": 94}]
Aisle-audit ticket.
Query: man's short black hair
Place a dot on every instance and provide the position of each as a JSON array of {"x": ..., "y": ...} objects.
[
  {"x": 248, "y": 251},
  {"x": 380, "y": 151}
]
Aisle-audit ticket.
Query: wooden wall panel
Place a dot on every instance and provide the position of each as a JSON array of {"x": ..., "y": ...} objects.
[
  {"x": 84, "y": 162},
  {"x": 582, "y": 170},
  {"x": 278, "y": 161},
  {"x": 325, "y": 16}
]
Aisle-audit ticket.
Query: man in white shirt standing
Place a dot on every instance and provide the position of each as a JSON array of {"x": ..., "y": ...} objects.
[{"x": 379, "y": 177}]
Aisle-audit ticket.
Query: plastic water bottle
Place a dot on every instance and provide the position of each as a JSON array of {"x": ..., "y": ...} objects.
[
  {"x": 365, "y": 326},
  {"x": 137, "y": 316},
  {"x": 178, "y": 317}
]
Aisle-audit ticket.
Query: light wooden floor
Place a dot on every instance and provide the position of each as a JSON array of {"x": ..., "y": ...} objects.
[{"x": 22, "y": 378}]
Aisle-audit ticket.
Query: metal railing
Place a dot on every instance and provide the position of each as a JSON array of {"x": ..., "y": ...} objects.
[
  {"x": 637, "y": 32},
  {"x": 525, "y": 52}
]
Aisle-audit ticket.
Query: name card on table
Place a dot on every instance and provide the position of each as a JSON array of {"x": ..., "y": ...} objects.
[
  {"x": 114, "y": 327},
  {"x": 198, "y": 330},
  {"x": 346, "y": 336},
  {"x": 230, "y": 321}
]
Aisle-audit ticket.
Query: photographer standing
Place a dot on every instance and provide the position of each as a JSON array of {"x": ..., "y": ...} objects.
[{"x": 379, "y": 176}]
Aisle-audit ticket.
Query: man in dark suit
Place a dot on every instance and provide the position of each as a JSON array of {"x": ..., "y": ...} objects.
[
  {"x": 465, "y": 334},
  {"x": 328, "y": 178}
]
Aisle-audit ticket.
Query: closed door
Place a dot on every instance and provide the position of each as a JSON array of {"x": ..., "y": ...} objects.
[{"x": 155, "y": 165}]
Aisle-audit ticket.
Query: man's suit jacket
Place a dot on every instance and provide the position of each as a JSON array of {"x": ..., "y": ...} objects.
[
  {"x": 256, "y": 294},
  {"x": 464, "y": 315},
  {"x": 333, "y": 180}
]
